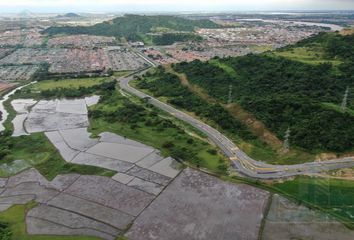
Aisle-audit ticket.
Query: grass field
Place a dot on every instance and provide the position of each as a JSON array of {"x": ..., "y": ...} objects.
[
  {"x": 14, "y": 217},
  {"x": 333, "y": 196},
  {"x": 306, "y": 55},
  {"x": 68, "y": 83}
]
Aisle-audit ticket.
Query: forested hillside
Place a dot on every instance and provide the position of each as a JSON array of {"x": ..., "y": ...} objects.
[
  {"x": 283, "y": 93},
  {"x": 134, "y": 27}
]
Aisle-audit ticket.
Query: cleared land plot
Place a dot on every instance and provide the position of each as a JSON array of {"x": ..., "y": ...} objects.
[
  {"x": 57, "y": 115},
  {"x": 110, "y": 193},
  {"x": 4, "y": 86},
  {"x": 198, "y": 206},
  {"x": 58, "y": 213},
  {"x": 287, "y": 220},
  {"x": 120, "y": 152},
  {"x": 65, "y": 125},
  {"x": 21, "y": 106}
]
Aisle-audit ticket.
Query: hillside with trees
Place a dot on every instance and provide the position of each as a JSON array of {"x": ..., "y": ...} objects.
[
  {"x": 313, "y": 100},
  {"x": 134, "y": 27}
]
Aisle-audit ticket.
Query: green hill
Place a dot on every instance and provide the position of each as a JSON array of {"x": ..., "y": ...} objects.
[
  {"x": 134, "y": 27},
  {"x": 285, "y": 93}
]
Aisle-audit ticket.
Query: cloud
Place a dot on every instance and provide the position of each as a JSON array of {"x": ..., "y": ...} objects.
[{"x": 192, "y": 5}]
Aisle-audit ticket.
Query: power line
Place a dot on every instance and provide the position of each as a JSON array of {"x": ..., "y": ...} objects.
[{"x": 230, "y": 94}]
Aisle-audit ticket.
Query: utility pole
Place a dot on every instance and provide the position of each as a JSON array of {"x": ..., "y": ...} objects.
[
  {"x": 230, "y": 95},
  {"x": 286, "y": 144},
  {"x": 345, "y": 100}
]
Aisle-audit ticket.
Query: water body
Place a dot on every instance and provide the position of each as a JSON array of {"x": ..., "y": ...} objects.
[
  {"x": 5, "y": 114},
  {"x": 333, "y": 27}
]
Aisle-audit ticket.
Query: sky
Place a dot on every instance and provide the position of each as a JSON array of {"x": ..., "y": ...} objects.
[{"x": 171, "y": 5}]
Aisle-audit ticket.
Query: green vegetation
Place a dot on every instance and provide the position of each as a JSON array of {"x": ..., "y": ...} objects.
[
  {"x": 283, "y": 93},
  {"x": 337, "y": 108},
  {"x": 68, "y": 83},
  {"x": 306, "y": 55},
  {"x": 67, "y": 88},
  {"x": 140, "y": 121},
  {"x": 36, "y": 151},
  {"x": 135, "y": 27},
  {"x": 333, "y": 196},
  {"x": 170, "y": 38},
  {"x": 168, "y": 87},
  {"x": 13, "y": 226}
]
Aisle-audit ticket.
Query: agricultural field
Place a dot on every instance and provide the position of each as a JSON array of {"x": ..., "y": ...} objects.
[
  {"x": 333, "y": 196},
  {"x": 288, "y": 220}
]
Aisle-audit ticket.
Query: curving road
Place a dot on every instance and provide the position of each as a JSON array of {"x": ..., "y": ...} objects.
[{"x": 241, "y": 162}]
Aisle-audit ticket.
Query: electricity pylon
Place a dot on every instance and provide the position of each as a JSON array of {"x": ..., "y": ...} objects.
[
  {"x": 286, "y": 144},
  {"x": 229, "y": 101},
  {"x": 345, "y": 100}
]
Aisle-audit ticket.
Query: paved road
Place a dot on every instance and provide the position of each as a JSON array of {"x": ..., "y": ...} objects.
[{"x": 241, "y": 162}]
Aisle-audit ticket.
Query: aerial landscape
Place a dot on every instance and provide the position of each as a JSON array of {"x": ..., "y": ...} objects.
[{"x": 179, "y": 120}]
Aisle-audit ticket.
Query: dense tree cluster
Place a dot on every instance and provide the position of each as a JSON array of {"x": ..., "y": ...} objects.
[
  {"x": 5, "y": 144},
  {"x": 285, "y": 93},
  {"x": 132, "y": 26},
  {"x": 170, "y": 38},
  {"x": 166, "y": 84}
]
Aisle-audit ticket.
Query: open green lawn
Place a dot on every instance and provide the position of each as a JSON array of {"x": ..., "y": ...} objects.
[
  {"x": 306, "y": 55},
  {"x": 69, "y": 83},
  {"x": 14, "y": 218},
  {"x": 333, "y": 196}
]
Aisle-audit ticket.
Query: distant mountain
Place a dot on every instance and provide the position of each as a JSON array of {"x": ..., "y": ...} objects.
[
  {"x": 69, "y": 15},
  {"x": 134, "y": 27},
  {"x": 26, "y": 14}
]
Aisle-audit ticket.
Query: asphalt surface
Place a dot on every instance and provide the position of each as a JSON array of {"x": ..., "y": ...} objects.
[{"x": 241, "y": 161}]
